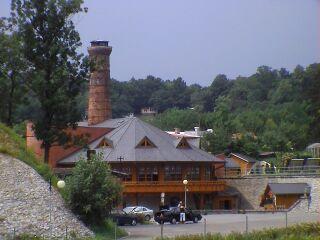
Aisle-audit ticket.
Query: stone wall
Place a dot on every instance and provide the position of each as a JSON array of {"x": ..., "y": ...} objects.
[
  {"x": 25, "y": 204},
  {"x": 250, "y": 189}
]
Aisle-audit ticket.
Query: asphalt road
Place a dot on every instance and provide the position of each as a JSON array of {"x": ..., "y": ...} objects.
[{"x": 220, "y": 223}]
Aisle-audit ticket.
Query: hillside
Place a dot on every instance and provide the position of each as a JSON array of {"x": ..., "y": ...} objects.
[{"x": 25, "y": 197}]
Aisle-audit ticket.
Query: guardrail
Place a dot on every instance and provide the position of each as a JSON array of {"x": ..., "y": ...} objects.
[
  {"x": 276, "y": 171},
  {"x": 173, "y": 186}
]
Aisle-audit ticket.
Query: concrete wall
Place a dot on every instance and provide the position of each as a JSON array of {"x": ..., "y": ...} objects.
[{"x": 250, "y": 190}]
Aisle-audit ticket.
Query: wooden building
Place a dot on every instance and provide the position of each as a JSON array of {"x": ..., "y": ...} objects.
[
  {"x": 155, "y": 162},
  {"x": 286, "y": 194},
  {"x": 236, "y": 165}
]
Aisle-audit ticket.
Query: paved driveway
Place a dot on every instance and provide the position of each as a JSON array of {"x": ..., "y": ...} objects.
[{"x": 220, "y": 223}]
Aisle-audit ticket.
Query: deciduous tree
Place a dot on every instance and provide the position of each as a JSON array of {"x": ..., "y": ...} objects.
[{"x": 55, "y": 70}]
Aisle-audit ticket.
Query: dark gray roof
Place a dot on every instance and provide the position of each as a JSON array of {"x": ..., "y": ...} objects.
[
  {"x": 244, "y": 157},
  {"x": 288, "y": 188},
  {"x": 313, "y": 145},
  {"x": 230, "y": 163},
  {"x": 129, "y": 132}
]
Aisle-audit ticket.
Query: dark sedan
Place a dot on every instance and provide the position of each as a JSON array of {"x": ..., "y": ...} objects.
[
  {"x": 172, "y": 215},
  {"x": 123, "y": 218}
]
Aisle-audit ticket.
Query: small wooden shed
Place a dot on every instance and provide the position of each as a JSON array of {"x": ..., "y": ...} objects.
[{"x": 284, "y": 195}]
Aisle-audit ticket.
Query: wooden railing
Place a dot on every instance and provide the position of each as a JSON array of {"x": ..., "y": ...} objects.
[
  {"x": 277, "y": 171},
  {"x": 173, "y": 186}
]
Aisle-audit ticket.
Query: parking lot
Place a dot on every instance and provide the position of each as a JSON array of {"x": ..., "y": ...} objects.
[{"x": 220, "y": 223}]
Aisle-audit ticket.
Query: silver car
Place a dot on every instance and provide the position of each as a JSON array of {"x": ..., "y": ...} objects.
[{"x": 146, "y": 212}]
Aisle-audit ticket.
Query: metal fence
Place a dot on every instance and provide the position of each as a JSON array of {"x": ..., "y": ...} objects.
[
  {"x": 242, "y": 223},
  {"x": 276, "y": 171}
]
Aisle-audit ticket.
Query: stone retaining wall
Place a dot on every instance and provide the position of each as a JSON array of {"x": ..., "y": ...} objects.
[
  {"x": 25, "y": 204},
  {"x": 250, "y": 190}
]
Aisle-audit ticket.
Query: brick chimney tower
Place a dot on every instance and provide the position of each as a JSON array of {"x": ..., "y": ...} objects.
[{"x": 99, "y": 107}]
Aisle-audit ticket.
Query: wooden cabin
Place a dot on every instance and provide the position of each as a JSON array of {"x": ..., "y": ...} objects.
[
  {"x": 236, "y": 164},
  {"x": 285, "y": 194}
]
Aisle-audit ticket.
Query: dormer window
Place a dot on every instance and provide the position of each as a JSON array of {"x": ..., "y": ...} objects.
[
  {"x": 105, "y": 143},
  {"x": 145, "y": 143},
  {"x": 183, "y": 143}
]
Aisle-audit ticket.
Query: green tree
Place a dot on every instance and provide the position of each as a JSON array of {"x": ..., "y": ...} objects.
[
  {"x": 12, "y": 67},
  {"x": 185, "y": 119},
  {"x": 91, "y": 189},
  {"x": 55, "y": 68}
]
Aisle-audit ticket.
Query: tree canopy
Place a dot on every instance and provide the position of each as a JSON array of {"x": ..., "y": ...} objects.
[{"x": 55, "y": 70}]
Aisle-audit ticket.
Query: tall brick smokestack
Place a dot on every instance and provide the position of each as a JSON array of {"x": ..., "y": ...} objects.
[{"x": 99, "y": 107}]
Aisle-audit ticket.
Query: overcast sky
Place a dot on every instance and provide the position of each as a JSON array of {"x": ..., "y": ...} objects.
[{"x": 198, "y": 39}]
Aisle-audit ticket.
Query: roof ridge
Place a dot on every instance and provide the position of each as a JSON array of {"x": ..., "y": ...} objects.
[
  {"x": 117, "y": 129},
  {"x": 128, "y": 125}
]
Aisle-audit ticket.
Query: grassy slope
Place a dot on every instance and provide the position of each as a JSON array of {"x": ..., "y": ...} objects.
[{"x": 14, "y": 145}]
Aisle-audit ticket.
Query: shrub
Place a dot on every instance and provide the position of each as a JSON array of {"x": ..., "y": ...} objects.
[{"x": 92, "y": 191}]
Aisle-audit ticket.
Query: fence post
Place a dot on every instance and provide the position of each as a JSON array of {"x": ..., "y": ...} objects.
[
  {"x": 286, "y": 219},
  {"x": 66, "y": 232},
  {"x": 205, "y": 227},
  {"x": 14, "y": 233},
  {"x": 247, "y": 224},
  {"x": 115, "y": 230},
  {"x": 161, "y": 225}
]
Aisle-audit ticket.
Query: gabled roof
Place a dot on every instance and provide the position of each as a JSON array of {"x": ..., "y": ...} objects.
[
  {"x": 244, "y": 157},
  {"x": 182, "y": 143},
  {"x": 105, "y": 143},
  {"x": 89, "y": 134},
  {"x": 127, "y": 135},
  {"x": 230, "y": 163},
  {"x": 288, "y": 188},
  {"x": 314, "y": 145}
]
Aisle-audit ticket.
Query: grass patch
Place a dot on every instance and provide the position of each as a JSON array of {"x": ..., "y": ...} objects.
[
  {"x": 107, "y": 231},
  {"x": 305, "y": 231},
  {"x": 14, "y": 145}
]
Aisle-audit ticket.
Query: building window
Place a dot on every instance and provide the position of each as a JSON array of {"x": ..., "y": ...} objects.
[
  {"x": 149, "y": 174},
  {"x": 209, "y": 173},
  {"x": 127, "y": 171},
  {"x": 104, "y": 143},
  {"x": 145, "y": 143},
  {"x": 193, "y": 173},
  {"x": 172, "y": 173},
  {"x": 183, "y": 143}
]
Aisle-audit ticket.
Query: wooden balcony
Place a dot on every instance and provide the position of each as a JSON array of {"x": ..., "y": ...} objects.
[{"x": 173, "y": 187}]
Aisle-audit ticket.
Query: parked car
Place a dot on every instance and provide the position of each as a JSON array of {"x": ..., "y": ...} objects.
[
  {"x": 172, "y": 215},
  {"x": 123, "y": 218},
  {"x": 140, "y": 210}
]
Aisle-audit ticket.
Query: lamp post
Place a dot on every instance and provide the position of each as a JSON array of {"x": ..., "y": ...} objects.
[
  {"x": 185, "y": 182},
  {"x": 60, "y": 184},
  {"x": 162, "y": 195}
]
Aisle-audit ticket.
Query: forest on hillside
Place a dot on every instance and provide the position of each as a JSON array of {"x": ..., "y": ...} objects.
[
  {"x": 43, "y": 78},
  {"x": 272, "y": 110}
]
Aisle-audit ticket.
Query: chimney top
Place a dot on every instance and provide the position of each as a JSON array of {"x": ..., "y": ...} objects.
[{"x": 102, "y": 43}]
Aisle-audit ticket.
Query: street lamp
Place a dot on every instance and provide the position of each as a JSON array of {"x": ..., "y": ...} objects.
[
  {"x": 60, "y": 184},
  {"x": 185, "y": 182},
  {"x": 162, "y": 195}
]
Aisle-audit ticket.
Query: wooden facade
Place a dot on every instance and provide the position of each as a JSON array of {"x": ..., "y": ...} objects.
[{"x": 152, "y": 179}]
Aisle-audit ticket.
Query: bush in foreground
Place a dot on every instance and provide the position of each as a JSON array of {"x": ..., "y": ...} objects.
[{"x": 92, "y": 191}]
